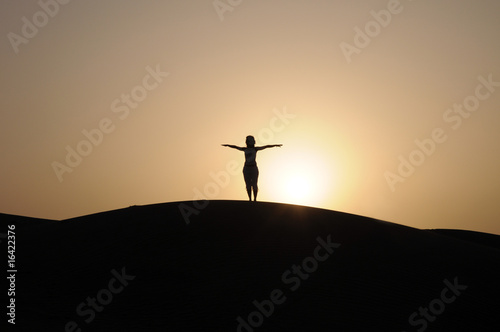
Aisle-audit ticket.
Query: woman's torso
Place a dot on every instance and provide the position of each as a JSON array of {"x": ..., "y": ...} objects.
[{"x": 250, "y": 156}]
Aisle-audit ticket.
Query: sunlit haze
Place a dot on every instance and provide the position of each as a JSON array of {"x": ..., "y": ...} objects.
[{"x": 387, "y": 109}]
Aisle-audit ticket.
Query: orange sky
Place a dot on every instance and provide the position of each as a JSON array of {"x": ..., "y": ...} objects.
[{"x": 388, "y": 109}]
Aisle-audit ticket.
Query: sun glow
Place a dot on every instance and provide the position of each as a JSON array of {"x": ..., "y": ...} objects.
[
  {"x": 298, "y": 187},
  {"x": 303, "y": 178}
]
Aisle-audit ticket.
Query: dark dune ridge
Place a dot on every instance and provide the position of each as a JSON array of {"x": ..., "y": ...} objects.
[{"x": 250, "y": 266}]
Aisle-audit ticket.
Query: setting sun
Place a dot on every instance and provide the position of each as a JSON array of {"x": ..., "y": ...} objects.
[
  {"x": 298, "y": 187},
  {"x": 301, "y": 177}
]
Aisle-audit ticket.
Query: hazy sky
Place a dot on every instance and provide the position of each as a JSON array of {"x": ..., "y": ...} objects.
[{"x": 389, "y": 109}]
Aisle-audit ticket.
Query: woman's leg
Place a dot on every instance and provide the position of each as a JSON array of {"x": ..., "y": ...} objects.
[
  {"x": 248, "y": 181},
  {"x": 254, "y": 183}
]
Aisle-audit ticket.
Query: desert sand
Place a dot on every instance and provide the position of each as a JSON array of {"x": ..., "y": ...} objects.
[{"x": 250, "y": 266}]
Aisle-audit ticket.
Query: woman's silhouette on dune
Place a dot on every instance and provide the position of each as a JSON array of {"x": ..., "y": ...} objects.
[{"x": 250, "y": 170}]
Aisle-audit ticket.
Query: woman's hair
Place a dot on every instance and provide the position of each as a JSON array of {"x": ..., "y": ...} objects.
[{"x": 250, "y": 141}]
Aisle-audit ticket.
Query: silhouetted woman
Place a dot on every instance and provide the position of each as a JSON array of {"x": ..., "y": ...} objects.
[{"x": 250, "y": 170}]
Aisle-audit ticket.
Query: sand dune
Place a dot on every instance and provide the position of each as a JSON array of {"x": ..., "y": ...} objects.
[{"x": 245, "y": 266}]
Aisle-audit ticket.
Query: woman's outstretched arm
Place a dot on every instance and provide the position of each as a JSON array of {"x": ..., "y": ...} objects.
[
  {"x": 269, "y": 146},
  {"x": 233, "y": 147}
]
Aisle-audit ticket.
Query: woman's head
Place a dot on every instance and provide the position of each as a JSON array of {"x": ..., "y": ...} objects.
[{"x": 250, "y": 141}]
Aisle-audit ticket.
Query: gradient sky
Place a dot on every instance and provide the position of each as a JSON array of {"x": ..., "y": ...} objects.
[{"x": 347, "y": 105}]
